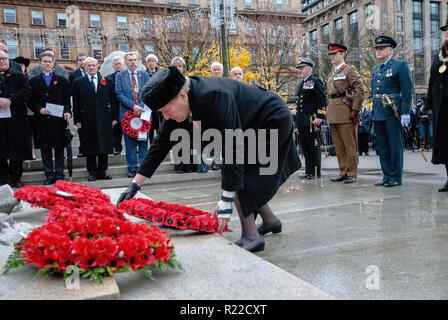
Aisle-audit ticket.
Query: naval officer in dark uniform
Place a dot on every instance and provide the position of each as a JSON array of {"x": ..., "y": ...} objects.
[
  {"x": 311, "y": 109},
  {"x": 390, "y": 79}
]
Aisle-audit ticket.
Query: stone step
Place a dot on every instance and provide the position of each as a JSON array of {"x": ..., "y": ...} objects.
[
  {"x": 123, "y": 181},
  {"x": 81, "y": 173}
]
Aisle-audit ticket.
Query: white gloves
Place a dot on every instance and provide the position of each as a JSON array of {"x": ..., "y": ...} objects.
[{"x": 405, "y": 120}]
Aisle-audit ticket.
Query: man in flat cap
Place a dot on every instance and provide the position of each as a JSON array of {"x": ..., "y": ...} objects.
[
  {"x": 437, "y": 101},
  {"x": 346, "y": 94},
  {"x": 224, "y": 105},
  {"x": 311, "y": 105},
  {"x": 392, "y": 97}
]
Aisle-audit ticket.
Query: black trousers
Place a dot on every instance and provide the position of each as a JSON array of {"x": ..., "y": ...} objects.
[
  {"x": 363, "y": 142},
  {"x": 10, "y": 170},
  {"x": 118, "y": 136},
  {"x": 310, "y": 151},
  {"x": 55, "y": 171},
  {"x": 97, "y": 169}
]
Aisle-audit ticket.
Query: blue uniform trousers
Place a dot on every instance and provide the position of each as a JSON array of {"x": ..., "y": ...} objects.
[{"x": 389, "y": 139}]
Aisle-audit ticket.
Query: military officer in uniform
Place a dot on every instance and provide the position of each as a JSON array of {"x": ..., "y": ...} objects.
[
  {"x": 346, "y": 94},
  {"x": 392, "y": 90},
  {"x": 311, "y": 109}
]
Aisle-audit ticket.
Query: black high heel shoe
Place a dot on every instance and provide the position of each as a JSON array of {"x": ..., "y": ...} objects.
[
  {"x": 276, "y": 227},
  {"x": 257, "y": 246}
]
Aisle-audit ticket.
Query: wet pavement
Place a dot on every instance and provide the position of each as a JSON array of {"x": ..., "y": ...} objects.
[{"x": 335, "y": 234}]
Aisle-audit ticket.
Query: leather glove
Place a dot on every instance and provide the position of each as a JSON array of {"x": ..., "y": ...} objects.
[
  {"x": 405, "y": 120},
  {"x": 354, "y": 115},
  {"x": 129, "y": 192}
]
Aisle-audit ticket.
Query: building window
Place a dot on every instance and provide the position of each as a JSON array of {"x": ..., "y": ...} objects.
[
  {"x": 122, "y": 22},
  {"x": 174, "y": 1},
  {"x": 147, "y": 24},
  {"x": 435, "y": 10},
  {"x": 313, "y": 36},
  {"x": 194, "y": 2},
  {"x": 250, "y": 29},
  {"x": 9, "y": 15},
  {"x": 369, "y": 10},
  {"x": 62, "y": 19},
  {"x": 38, "y": 48},
  {"x": 177, "y": 50},
  {"x": 338, "y": 23},
  {"x": 123, "y": 47},
  {"x": 37, "y": 17},
  {"x": 400, "y": 23},
  {"x": 97, "y": 51},
  {"x": 65, "y": 51},
  {"x": 399, "y": 5},
  {"x": 232, "y": 29},
  {"x": 175, "y": 25},
  {"x": 248, "y": 4},
  {"x": 279, "y": 4},
  {"x": 95, "y": 21},
  {"x": 148, "y": 49},
  {"x": 417, "y": 7},
  {"x": 326, "y": 29},
  {"x": 13, "y": 48}
]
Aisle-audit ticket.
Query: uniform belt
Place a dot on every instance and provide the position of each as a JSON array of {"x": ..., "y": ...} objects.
[
  {"x": 337, "y": 95},
  {"x": 380, "y": 95}
]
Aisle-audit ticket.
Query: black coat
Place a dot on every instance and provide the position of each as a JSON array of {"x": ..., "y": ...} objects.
[
  {"x": 310, "y": 99},
  {"x": 73, "y": 76},
  {"x": 15, "y": 132},
  {"x": 221, "y": 103},
  {"x": 115, "y": 101},
  {"x": 49, "y": 131},
  {"x": 94, "y": 112},
  {"x": 437, "y": 101}
]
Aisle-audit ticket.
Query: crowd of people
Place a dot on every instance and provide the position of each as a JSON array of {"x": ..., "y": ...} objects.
[{"x": 37, "y": 107}]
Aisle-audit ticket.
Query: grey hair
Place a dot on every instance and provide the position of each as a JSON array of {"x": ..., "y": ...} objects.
[
  {"x": 152, "y": 56},
  {"x": 216, "y": 63},
  {"x": 178, "y": 60},
  {"x": 127, "y": 54},
  {"x": 46, "y": 54},
  {"x": 118, "y": 58},
  {"x": 90, "y": 58}
]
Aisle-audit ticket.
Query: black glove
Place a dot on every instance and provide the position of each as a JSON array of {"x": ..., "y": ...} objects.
[{"x": 129, "y": 192}]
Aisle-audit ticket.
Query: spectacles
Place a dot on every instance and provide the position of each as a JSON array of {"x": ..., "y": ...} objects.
[{"x": 3, "y": 59}]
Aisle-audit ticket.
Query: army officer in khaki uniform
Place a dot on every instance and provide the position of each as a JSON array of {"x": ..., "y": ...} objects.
[{"x": 346, "y": 94}]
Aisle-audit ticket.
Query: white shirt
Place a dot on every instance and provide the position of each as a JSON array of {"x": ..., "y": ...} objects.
[{"x": 135, "y": 76}]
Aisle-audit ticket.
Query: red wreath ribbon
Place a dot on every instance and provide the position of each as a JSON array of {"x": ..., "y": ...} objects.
[
  {"x": 172, "y": 215},
  {"x": 127, "y": 128}
]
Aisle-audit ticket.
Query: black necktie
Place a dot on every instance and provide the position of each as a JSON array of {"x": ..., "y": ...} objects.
[
  {"x": 382, "y": 65},
  {"x": 93, "y": 83}
]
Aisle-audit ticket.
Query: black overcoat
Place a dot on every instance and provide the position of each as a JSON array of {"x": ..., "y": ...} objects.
[
  {"x": 221, "y": 103},
  {"x": 15, "y": 132},
  {"x": 309, "y": 99},
  {"x": 49, "y": 131},
  {"x": 94, "y": 112},
  {"x": 437, "y": 101}
]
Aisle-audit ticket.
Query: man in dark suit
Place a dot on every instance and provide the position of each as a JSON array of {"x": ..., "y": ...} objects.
[
  {"x": 118, "y": 65},
  {"x": 92, "y": 110},
  {"x": 128, "y": 87},
  {"x": 391, "y": 78},
  {"x": 311, "y": 105},
  {"x": 223, "y": 104},
  {"x": 15, "y": 131},
  {"x": 48, "y": 87},
  {"x": 57, "y": 69}
]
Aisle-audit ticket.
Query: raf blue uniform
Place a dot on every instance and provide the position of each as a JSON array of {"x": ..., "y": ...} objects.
[{"x": 394, "y": 79}]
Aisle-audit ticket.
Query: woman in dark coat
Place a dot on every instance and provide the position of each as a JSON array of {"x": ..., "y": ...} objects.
[
  {"x": 437, "y": 101},
  {"x": 49, "y": 130},
  {"x": 15, "y": 131},
  {"x": 220, "y": 104}
]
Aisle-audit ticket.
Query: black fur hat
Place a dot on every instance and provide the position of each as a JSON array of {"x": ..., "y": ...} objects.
[{"x": 163, "y": 86}]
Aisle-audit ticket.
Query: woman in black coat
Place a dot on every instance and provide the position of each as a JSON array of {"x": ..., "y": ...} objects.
[
  {"x": 437, "y": 101},
  {"x": 222, "y": 104}
]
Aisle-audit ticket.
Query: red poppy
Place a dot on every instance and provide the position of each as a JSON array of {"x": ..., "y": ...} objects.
[
  {"x": 103, "y": 81},
  {"x": 7, "y": 74},
  {"x": 55, "y": 82}
]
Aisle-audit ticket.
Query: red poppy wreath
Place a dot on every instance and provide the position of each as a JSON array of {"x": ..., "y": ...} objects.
[{"x": 132, "y": 125}]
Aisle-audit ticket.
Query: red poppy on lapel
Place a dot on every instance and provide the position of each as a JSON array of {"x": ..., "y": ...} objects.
[
  {"x": 139, "y": 75},
  {"x": 55, "y": 82},
  {"x": 7, "y": 74},
  {"x": 103, "y": 81}
]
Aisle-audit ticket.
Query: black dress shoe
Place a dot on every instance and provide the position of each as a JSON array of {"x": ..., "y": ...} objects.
[
  {"x": 338, "y": 178},
  {"x": 349, "y": 179},
  {"x": 444, "y": 188},
  {"x": 92, "y": 178},
  {"x": 216, "y": 166},
  {"x": 131, "y": 174},
  {"x": 276, "y": 227},
  {"x": 106, "y": 177},
  {"x": 49, "y": 181},
  {"x": 392, "y": 184},
  {"x": 380, "y": 183},
  {"x": 255, "y": 247},
  {"x": 312, "y": 176},
  {"x": 179, "y": 171},
  {"x": 304, "y": 175}
]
